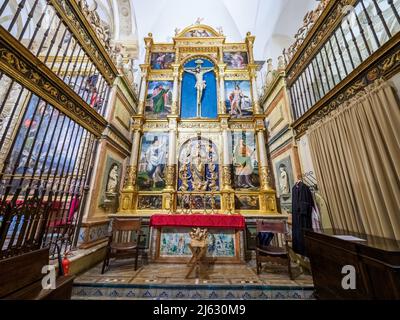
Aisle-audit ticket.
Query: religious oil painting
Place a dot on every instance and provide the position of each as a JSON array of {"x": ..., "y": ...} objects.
[
  {"x": 284, "y": 182},
  {"x": 198, "y": 33},
  {"x": 199, "y": 90},
  {"x": 208, "y": 203},
  {"x": 238, "y": 99},
  {"x": 247, "y": 202},
  {"x": 162, "y": 60},
  {"x": 159, "y": 99},
  {"x": 174, "y": 242},
  {"x": 236, "y": 60},
  {"x": 245, "y": 161},
  {"x": 149, "y": 202},
  {"x": 198, "y": 166},
  {"x": 152, "y": 162}
]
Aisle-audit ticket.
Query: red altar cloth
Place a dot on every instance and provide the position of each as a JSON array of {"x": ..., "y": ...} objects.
[{"x": 198, "y": 220}]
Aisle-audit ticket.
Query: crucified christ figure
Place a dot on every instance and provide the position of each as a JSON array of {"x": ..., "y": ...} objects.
[{"x": 199, "y": 73}]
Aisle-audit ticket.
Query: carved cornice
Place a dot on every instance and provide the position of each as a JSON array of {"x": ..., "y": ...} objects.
[
  {"x": 316, "y": 38},
  {"x": 382, "y": 64},
  {"x": 20, "y": 64},
  {"x": 72, "y": 16}
]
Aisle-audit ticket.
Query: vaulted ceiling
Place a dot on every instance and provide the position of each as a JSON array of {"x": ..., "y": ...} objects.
[{"x": 273, "y": 22}]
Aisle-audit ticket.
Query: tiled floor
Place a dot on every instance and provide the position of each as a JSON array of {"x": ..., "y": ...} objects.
[{"x": 158, "y": 281}]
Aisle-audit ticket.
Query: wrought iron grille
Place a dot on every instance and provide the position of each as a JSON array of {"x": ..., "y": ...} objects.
[
  {"x": 39, "y": 27},
  {"x": 362, "y": 32},
  {"x": 46, "y": 157}
]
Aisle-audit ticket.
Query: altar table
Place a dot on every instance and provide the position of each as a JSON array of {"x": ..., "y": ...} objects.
[
  {"x": 170, "y": 237},
  {"x": 220, "y": 221}
]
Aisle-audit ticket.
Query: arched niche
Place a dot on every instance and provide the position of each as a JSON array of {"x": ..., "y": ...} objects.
[
  {"x": 198, "y": 160},
  {"x": 209, "y": 100}
]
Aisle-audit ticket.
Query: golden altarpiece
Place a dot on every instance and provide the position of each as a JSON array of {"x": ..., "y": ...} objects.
[{"x": 199, "y": 136}]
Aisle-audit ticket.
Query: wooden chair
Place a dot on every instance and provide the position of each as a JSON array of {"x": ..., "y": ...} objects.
[
  {"x": 124, "y": 239},
  {"x": 278, "y": 248}
]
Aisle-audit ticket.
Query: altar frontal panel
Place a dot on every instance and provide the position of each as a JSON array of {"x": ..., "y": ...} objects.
[{"x": 173, "y": 245}]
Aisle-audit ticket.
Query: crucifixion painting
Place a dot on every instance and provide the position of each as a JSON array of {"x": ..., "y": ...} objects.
[{"x": 201, "y": 84}]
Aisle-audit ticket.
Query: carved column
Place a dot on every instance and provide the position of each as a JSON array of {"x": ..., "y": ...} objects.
[
  {"x": 169, "y": 193},
  {"x": 143, "y": 88},
  {"x": 175, "y": 90},
  {"x": 227, "y": 192},
  {"x": 129, "y": 191},
  {"x": 221, "y": 103},
  {"x": 268, "y": 194}
]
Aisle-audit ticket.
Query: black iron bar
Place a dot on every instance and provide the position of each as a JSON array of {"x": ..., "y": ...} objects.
[
  {"x": 74, "y": 67},
  {"x": 323, "y": 84},
  {"x": 21, "y": 5},
  {"x": 57, "y": 175},
  {"x": 354, "y": 39},
  {"x": 71, "y": 56},
  {"x": 329, "y": 65},
  {"x": 4, "y": 6},
  {"x": 62, "y": 187},
  {"x": 363, "y": 35},
  {"x": 347, "y": 47},
  {"x": 306, "y": 91},
  {"x": 298, "y": 99},
  {"x": 380, "y": 14},
  {"x": 370, "y": 24},
  {"x": 316, "y": 97},
  {"x": 292, "y": 103},
  {"x": 335, "y": 59},
  {"x": 341, "y": 55},
  {"x": 317, "y": 80},
  {"x": 303, "y": 105},
  {"x": 396, "y": 14},
  {"x": 85, "y": 180},
  {"x": 28, "y": 20},
  {"x": 64, "y": 55}
]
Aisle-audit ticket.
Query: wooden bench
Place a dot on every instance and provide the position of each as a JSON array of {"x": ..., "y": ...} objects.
[{"x": 21, "y": 278}]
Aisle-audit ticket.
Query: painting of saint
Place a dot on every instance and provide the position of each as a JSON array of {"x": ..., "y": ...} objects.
[
  {"x": 162, "y": 60},
  {"x": 153, "y": 159},
  {"x": 159, "y": 99},
  {"x": 236, "y": 60},
  {"x": 238, "y": 101},
  {"x": 245, "y": 161}
]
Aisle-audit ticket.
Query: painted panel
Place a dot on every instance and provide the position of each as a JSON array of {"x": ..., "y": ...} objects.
[
  {"x": 236, "y": 60},
  {"x": 162, "y": 60},
  {"x": 159, "y": 99},
  {"x": 174, "y": 243},
  {"x": 152, "y": 162},
  {"x": 238, "y": 99},
  {"x": 245, "y": 163},
  {"x": 149, "y": 202},
  {"x": 247, "y": 202}
]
